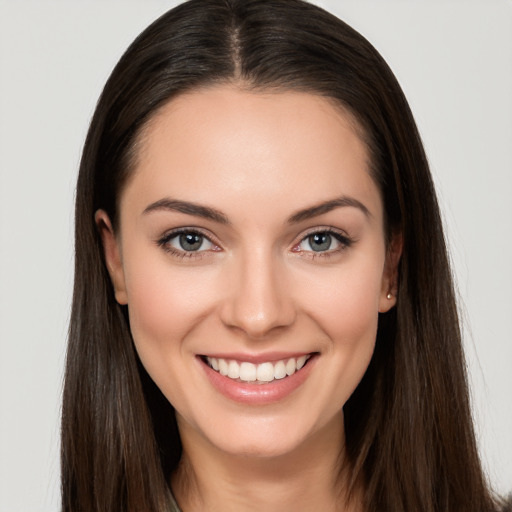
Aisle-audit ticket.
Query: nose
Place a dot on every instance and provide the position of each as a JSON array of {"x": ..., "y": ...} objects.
[{"x": 258, "y": 301}]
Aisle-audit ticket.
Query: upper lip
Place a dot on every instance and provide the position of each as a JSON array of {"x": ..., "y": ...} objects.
[{"x": 257, "y": 358}]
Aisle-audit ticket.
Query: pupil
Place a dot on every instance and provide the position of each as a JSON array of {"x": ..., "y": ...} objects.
[
  {"x": 320, "y": 241},
  {"x": 191, "y": 241}
]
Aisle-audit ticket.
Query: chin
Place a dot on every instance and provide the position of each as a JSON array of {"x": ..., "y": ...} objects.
[
  {"x": 261, "y": 447},
  {"x": 267, "y": 437}
]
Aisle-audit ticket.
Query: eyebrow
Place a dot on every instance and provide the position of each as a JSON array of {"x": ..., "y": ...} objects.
[
  {"x": 327, "y": 206},
  {"x": 188, "y": 208},
  {"x": 207, "y": 212}
]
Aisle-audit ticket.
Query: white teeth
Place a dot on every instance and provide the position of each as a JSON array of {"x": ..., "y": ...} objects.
[
  {"x": 223, "y": 367},
  {"x": 279, "y": 370},
  {"x": 291, "y": 366},
  {"x": 301, "y": 361},
  {"x": 263, "y": 372},
  {"x": 247, "y": 372},
  {"x": 233, "y": 370}
]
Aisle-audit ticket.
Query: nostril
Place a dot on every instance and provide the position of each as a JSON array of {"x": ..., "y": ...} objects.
[
  {"x": 257, "y": 299},
  {"x": 258, "y": 321}
]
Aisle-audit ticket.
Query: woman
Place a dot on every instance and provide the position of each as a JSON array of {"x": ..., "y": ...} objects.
[{"x": 263, "y": 315}]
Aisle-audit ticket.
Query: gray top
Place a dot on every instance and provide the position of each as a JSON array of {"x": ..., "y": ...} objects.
[{"x": 174, "y": 505}]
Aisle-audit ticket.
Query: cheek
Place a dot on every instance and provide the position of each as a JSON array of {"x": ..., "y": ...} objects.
[
  {"x": 346, "y": 303},
  {"x": 348, "y": 315},
  {"x": 164, "y": 304}
]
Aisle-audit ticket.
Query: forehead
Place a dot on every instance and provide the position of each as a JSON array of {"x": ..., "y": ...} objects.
[{"x": 216, "y": 143}]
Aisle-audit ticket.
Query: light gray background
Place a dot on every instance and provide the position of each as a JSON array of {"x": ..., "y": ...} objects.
[{"x": 454, "y": 61}]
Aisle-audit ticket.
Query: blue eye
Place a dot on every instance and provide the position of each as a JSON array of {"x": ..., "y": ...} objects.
[
  {"x": 323, "y": 241},
  {"x": 190, "y": 242},
  {"x": 186, "y": 241},
  {"x": 320, "y": 242}
]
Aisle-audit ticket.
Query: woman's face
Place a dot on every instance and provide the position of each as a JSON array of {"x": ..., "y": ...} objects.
[{"x": 252, "y": 257}]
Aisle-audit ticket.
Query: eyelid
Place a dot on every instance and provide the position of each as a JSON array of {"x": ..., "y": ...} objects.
[
  {"x": 341, "y": 236},
  {"x": 167, "y": 236},
  {"x": 322, "y": 229}
]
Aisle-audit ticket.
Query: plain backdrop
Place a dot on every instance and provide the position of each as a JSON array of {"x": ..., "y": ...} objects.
[{"x": 452, "y": 58}]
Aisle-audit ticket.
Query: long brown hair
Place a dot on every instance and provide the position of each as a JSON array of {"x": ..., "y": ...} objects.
[{"x": 408, "y": 424}]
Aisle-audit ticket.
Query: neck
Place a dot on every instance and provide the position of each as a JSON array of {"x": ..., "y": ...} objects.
[{"x": 311, "y": 477}]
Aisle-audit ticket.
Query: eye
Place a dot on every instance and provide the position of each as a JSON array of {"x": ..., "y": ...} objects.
[
  {"x": 190, "y": 242},
  {"x": 325, "y": 241},
  {"x": 319, "y": 242},
  {"x": 186, "y": 242}
]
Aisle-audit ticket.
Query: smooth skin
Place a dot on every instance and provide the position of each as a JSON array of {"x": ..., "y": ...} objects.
[{"x": 255, "y": 282}]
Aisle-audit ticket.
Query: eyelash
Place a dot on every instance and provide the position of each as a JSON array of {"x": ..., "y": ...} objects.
[
  {"x": 342, "y": 238},
  {"x": 164, "y": 242}
]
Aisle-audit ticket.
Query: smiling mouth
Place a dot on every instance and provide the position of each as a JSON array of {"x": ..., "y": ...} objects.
[{"x": 263, "y": 373}]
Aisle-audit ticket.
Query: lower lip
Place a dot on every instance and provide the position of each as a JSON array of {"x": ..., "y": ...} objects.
[{"x": 258, "y": 394}]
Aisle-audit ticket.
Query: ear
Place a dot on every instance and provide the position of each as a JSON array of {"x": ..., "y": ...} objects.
[
  {"x": 389, "y": 288},
  {"x": 112, "y": 255}
]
